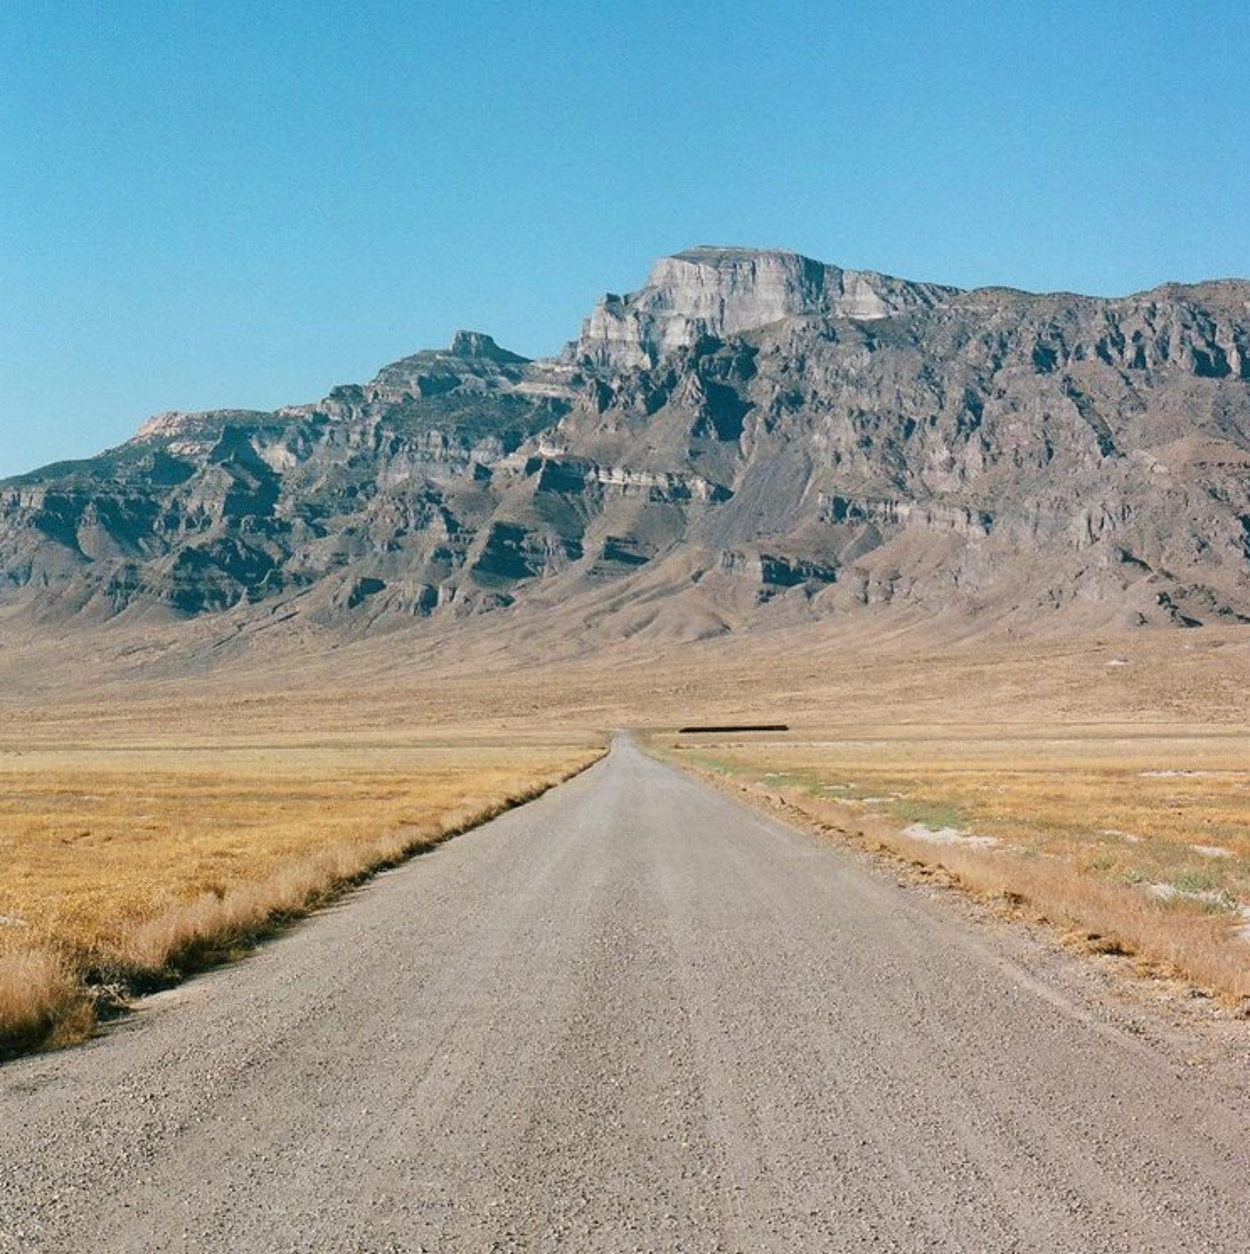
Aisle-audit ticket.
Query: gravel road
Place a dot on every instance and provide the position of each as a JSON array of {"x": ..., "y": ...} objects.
[{"x": 632, "y": 1015}]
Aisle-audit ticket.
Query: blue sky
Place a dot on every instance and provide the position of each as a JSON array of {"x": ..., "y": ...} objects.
[{"x": 244, "y": 204}]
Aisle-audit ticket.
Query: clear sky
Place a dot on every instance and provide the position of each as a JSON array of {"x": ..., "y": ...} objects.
[{"x": 242, "y": 203}]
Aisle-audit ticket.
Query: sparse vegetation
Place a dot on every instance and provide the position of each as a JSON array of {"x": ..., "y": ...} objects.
[
  {"x": 1133, "y": 844},
  {"x": 127, "y": 867}
]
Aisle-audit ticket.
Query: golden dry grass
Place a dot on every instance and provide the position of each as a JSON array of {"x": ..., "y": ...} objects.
[
  {"x": 1140, "y": 842},
  {"x": 130, "y": 864},
  {"x": 42, "y": 1001}
]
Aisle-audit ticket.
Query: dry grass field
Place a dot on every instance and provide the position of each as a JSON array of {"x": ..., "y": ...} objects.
[
  {"x": 1137, "y": 842},
  {"x": 125, "y": 865},
  {"x": 158, "y": 812}
]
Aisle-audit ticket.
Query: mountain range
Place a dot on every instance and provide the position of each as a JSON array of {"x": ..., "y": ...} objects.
[{"x": 752, "y": 437}]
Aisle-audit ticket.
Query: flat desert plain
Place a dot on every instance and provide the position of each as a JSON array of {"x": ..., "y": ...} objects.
[{"x": 154, "y": 821}]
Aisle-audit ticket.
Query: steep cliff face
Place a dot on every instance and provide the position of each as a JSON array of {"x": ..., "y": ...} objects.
[
  {"x": 722, "y": 292},
  {"x": 750, "y": 438}
]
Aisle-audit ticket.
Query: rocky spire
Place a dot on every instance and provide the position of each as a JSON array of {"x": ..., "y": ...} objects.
[{"x": 471, "y": 344}]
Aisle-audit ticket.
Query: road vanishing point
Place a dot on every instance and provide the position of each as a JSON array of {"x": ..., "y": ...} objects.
[{"x": 634, "y": 1015}]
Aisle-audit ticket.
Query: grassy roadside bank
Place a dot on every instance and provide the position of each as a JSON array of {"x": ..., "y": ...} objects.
[
  {"x": 128, "y": 869},
  {"x": 1127, "y": 843}
]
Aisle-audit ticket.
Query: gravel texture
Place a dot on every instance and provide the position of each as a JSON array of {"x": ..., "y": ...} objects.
[{"x": 632, "y": 1015}]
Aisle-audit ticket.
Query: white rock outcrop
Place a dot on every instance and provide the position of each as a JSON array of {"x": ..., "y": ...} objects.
[{"x": 720, "y": 292}]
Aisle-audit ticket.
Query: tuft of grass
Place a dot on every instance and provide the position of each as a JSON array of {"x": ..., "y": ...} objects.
[
  {"x": 1194, "y": 882},
  {"x": 41, "y": 1001},
  {"x": 936, "y": 815}
]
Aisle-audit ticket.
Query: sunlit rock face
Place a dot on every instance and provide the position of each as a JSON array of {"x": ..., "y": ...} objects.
[{"x": 720, "y": 292}]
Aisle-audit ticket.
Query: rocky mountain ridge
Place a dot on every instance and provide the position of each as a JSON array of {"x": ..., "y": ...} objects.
[{"x": 751, "y": 437}]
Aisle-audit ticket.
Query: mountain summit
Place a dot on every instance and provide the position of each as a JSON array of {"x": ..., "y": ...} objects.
[
  {"x": 720, "y": 292},
  {"x": 751, "y": 438}
]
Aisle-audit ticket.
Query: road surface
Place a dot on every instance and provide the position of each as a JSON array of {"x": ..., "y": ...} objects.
[{"x": 633, "y": 1015}]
